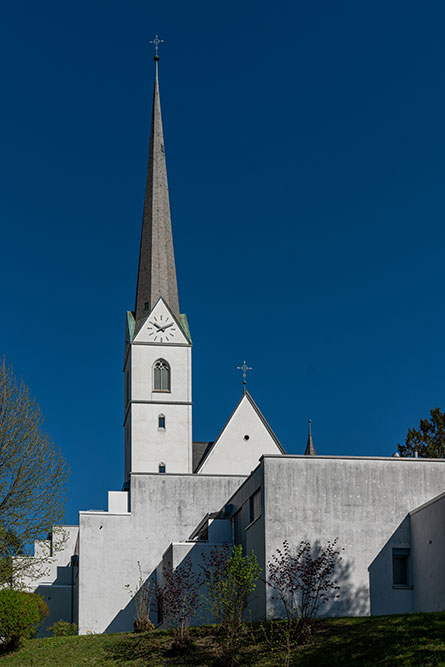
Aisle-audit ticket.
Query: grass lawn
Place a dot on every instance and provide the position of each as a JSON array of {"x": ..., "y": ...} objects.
[{"x": 417, "y": 640}]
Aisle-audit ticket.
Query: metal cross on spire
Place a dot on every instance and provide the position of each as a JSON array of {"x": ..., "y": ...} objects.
[
  {"x": 156, "y": 41},
  {"x": 244, "y": 368}
]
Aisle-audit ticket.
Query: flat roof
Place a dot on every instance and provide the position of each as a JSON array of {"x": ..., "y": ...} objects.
[{"x": 351, "y": 458}]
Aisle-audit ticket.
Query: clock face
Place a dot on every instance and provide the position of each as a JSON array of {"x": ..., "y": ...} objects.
[{"x": 161, "y": 328}]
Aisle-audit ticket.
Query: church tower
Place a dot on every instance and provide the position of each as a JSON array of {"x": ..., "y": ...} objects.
[{"x": 157, "y": 366}]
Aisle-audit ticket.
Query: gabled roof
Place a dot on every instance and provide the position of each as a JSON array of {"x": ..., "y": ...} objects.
[
  {"x": 159, "y": 306},
  {"x": 199, "y": 452},
  {"x": 248, "y": 397}
]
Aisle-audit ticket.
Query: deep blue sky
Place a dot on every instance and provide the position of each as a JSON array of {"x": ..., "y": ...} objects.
[{"x": 305, "y": 148}]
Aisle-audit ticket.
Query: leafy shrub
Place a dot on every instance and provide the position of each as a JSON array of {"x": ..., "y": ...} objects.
[
  {"x": 63, "y": 629},
  {"x": 230, "y": 578},
  {"x": 303, "y": 578},
  {"x": 178, "y": 599},
  {"x": 20, "y": 613},
  {"x": 41, "y": 605},
  {"x": 142, "y": 624}
]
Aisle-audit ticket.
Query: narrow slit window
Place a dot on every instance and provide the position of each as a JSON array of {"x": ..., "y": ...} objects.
[
  {"x": 161, "y": 421},
  {"x": 162, "y": 467},
  {"x": 161, "y": 376}
]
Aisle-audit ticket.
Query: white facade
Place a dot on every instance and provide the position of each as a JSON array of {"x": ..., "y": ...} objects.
[
  {"x": 158, "y": 422},
  {"x": 244, "y": 439}
]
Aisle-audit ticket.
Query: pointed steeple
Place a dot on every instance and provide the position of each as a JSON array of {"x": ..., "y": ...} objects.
[
  {"x": 157, "y": 271},
  {"x": 310, "y": 449}
]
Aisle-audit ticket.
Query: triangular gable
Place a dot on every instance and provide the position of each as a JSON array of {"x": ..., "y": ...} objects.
[
  {"x": 161, "y": 327},
  {"x": 242, "y": 442}
]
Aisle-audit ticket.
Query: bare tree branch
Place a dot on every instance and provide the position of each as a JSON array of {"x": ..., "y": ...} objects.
[{"x": 32, "y": 477}]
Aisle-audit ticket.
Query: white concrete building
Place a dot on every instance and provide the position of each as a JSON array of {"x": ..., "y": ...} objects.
[{"x": 179, "y": 496}]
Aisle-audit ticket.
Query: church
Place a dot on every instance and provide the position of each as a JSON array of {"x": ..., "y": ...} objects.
[{"x": 179, "y": 497}]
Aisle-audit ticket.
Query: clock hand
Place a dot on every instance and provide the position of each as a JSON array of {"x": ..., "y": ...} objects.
[
  {"x": 158, "y": 327},
  {"x": 166, "y": 326}
]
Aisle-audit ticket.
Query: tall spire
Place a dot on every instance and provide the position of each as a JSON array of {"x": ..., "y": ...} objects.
[
  {"x": 310, "y": 449},
  {"x": 157, "y": 271}
]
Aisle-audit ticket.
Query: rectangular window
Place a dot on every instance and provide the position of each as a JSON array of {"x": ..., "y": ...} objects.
[
  {"x": 237, "y": 534},
  {"x": 400, "y": 567},
  {"x": 255, "y": 505}
]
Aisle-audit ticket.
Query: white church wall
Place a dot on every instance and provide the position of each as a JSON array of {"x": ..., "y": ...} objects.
[
  {"x": 147, "y": 445},
  {"x": 152, "y": 445},
  {"x": 427, "y": 555},
  {"x": 362, "y": 502},
  {"x": 162, "y": 507},
  {"x": 143, "y": 358},
  {"x": 243, "y": 441},
  {"x": 118, "y": 502}
]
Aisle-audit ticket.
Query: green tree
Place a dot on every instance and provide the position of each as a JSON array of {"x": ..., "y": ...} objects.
[
  {"x": 32, "y": 480},
  {"x": 429, "y": 440},
  {"x": 229, "y": 578}
]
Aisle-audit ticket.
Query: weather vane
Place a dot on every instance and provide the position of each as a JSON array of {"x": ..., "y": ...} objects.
[
  {"x": 244, "y": 368},
  {"x": 156, "y": 41}
]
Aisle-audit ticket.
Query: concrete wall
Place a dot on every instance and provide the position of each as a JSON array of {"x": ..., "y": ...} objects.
[
  {"x": 251, "y": 535},
  {"x": 163, "y": 508},
  {"x": 175, "y": 556},
  {"x": 53, "y": 576},
  {"x": 362, "y": 502},
  {"x": 428, "y": 554}
]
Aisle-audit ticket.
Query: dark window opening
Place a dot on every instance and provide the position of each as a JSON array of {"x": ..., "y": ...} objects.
[
  {"x": 161, "y": 421},
  {"x": 400, "y": 569},
  {"x": 146, "y": 305},
  {"x": 162, "y": 467},
  {"x": 160, "y": 607},
  {"x": 246, "y": 437},
  {"x": 255, "y": 505},
  {"x": 161, "y": 376},
  {"x": 237, "y": 528}
]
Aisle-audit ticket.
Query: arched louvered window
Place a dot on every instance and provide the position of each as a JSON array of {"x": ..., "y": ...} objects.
[{"x": 161, "y": 376}]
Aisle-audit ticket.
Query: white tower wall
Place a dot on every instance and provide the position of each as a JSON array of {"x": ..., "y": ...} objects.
[{"x": 147, "y": 444}]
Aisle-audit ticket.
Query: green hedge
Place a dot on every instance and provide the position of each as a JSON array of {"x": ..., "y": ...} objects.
[
  {"x": 63, "y": 629},
  {"x": 20, "y": 613}
]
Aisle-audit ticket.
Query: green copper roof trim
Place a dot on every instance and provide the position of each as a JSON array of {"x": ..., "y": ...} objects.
[
  {"x": 185, "y": 325},
  {"x": 131, "y": 324}
]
